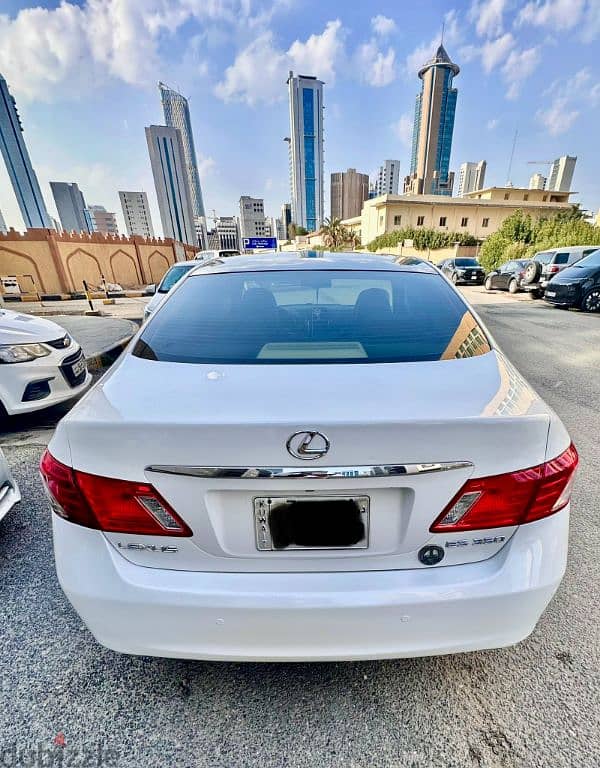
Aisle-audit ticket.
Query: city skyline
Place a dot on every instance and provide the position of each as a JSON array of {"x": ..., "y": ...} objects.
[{"x": 235, "y": 82}]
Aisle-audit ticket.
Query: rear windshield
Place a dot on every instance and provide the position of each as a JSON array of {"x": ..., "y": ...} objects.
[
  {"x": 173, "y": 276},
  {"x": 466, "y": 262},
  {"x": 545, "y": 257},
  {"x": 320, "y": 316}
]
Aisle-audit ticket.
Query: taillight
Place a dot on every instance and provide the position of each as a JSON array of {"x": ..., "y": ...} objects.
[
  {"x": 513, "y": 498},
  {"x": 107, "y": 504},
  {"x": 553, "y": 269}
]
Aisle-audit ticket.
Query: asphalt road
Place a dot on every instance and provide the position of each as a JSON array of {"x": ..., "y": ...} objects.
[{"x": 536, "y": 704}]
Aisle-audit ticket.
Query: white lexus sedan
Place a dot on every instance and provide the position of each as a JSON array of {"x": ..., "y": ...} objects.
[
  {"x": 309, "y": 457},
  {"x": 40, "y": 364}
]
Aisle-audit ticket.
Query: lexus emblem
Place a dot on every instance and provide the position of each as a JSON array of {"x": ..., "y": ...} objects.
[{"x": 307, "y": 445}]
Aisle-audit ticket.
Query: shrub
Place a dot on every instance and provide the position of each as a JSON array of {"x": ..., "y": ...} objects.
[{"x": 422, "y": 239}]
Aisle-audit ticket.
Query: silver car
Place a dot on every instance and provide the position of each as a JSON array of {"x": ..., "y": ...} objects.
[{"x": 9, "y": 490}]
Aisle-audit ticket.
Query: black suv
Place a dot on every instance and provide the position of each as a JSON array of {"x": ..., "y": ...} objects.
[
  {"x": 508, "y": 277},
  {"x": 577, "y": 286},
  {"x": 463, "y": 270}
]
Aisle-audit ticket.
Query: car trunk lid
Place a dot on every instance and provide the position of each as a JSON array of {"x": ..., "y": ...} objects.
[{"x": 404, "y": 436}]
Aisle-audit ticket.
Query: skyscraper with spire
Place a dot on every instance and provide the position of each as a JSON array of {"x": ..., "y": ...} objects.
[
  {"x": 177, "y": 115},
  {"x": 433, "y": 128}
]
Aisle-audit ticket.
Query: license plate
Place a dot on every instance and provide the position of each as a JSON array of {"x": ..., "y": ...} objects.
[
  {"x": 473, "y": 277},
  {"x": 550, "y": 293},
  {"x": 315, "y": 522},
  {"x": 78, "y": 367}
]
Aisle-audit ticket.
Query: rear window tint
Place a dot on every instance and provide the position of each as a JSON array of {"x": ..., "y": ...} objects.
[{"x": 320, "y": 316}]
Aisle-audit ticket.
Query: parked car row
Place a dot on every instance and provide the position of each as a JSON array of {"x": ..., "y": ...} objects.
[{"x": 565, "y": 277}]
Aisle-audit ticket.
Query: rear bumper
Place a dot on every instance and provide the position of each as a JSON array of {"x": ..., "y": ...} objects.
[{"x": 311, "y": 616}]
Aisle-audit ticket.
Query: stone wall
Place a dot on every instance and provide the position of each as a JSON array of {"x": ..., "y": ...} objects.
[{"x": 47, "y": 262}]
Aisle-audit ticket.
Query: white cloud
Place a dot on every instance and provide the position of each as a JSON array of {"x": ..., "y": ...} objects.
[
  {"x": 257, "y": 74},
  {"x": 488, "y": 16},
  {"x": 383, "y": 25},
  {"x": 518, "y": 67},
  {"x": 320, "y": 53},
  {"x": 567, "y": 98},
  {"x": 72, "y": 47},
  {"x": 376, "y": 67},
  {"x": 403, "y": 128},
  {"x": 205, "y": 164},
  {"x": 259, "y": 71},
  {"x": 422, "y": 53},
  {"x": 556, "y": 14},
  {"x": 492, "y": 124},
  {"x": 494, "y": 52}
]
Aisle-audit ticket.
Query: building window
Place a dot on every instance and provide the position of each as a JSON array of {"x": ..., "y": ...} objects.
[
  {"x": 525, "y": 197},
  {"x": 420, "y": 221},
  {"x": 485, "y": 222},
  {"x": 464, "y": 221},
  {"x": 544, "y": 198},
  {"x": 381, "y": 219},
  {"x": 506, "y": 195},
  {"x": 443, "y": 220},
  {"x": 397, "y": 221}
]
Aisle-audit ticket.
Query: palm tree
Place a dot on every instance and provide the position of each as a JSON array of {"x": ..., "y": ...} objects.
[{"x": 333, "y": 233}]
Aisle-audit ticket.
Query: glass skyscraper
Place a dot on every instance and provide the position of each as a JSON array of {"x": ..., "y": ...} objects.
[
  {"x": 306, "y": 150},
  {"x": 71, "y": 206},
  {"x": 177, "y": 115},
  {"x": 433, "y": 127},
  {"x": 167, "y": 158},
  {"x": 18, "y": 164}
]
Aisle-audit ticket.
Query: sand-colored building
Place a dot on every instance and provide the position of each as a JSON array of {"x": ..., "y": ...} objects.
[
  {"x": 478, "y": 213},
  {"x": 48, "y": 263}
]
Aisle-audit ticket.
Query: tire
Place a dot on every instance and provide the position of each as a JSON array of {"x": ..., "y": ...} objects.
[
  {"x": 488, "y": 283},
  {"x": 535, "y": 294},
  {"x": 513, "y": 286},
  {"x": 532, "y": 273},
  {"x": 591, "y": 300},
  {"x": 454, "y": 278}
]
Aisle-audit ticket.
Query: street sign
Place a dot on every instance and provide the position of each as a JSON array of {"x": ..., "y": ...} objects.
[{"x": 260, "y": 243}]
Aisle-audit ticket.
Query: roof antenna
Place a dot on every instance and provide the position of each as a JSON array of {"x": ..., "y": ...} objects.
[{"x": 443, "y": 28}]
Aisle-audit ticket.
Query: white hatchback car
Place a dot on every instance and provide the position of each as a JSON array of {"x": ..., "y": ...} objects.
[
  {"x": 40, "y": 364},
  {"x": 310, "y": 457}
]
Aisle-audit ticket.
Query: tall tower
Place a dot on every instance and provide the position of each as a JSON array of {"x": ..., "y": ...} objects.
[
  {"x": 71, "y": 206},
  {"x": 167, "y": 158},
  {"x": 561, "y": 174},
  {"x": 18, "y": 164},
  {"x": 433, "y": 127},
  {"x": 471, "y": 177},
  {"x": 177, "y": 115},
  {"x": 306, "y": 150}
]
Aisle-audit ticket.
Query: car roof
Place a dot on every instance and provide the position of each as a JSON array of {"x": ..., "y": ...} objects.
[{"x": 311, "y": 260}]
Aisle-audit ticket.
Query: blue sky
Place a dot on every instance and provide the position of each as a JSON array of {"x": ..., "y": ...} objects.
[{"x": 84, "y": 75}]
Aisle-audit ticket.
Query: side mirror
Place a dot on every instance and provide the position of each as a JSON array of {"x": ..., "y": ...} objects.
[{"x": 150, "y": 290}]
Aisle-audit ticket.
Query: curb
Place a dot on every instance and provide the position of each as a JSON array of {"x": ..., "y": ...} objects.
[{"x": 109, "y": 356}]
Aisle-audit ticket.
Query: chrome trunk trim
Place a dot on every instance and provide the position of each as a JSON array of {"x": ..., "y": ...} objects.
[{"x": 311, "y": 473}]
